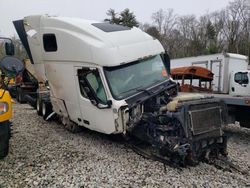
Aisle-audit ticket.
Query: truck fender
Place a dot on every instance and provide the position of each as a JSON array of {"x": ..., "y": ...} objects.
[{"x": 59, "y": 107}]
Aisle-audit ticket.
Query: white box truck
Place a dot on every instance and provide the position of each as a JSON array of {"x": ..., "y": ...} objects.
[
  {"x": 108, "y": 78},
  {"x": 231, "y": 81},
  {"x": 221, "y": 65}
]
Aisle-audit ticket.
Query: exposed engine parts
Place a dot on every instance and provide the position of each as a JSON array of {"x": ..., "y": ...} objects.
[
  {"x": 183, "y": 130},
  {"x": 165, "y": 134}
]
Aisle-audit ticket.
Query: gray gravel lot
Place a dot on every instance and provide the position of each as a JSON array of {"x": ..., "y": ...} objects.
[{"x": 44, "y": 154}]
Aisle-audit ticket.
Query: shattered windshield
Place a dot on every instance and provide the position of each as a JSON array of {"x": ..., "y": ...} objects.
[{"x": 125, "y": 80}]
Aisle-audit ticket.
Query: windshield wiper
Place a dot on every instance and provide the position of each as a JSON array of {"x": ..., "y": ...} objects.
[
  {"x": 147, "y": 91},
  {"x": 141, "y": 88},
  {"x": 134, "y": 88}
]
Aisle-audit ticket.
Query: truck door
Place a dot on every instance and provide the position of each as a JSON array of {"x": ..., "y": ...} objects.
[
  {"x": 96, "y": 113},
  {"x": 239, "y": 83},
  {"x": 216, "y": 69}
]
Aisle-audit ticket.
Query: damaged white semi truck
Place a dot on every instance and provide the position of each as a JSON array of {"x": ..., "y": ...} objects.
[{"x": 108, "y": 78}]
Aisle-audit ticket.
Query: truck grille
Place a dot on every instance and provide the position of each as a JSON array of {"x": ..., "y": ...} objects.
[{"x": 205, "y": 120}]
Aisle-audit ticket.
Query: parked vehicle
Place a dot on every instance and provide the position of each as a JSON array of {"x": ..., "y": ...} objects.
[
  {"x": 193, "y": 79},
  {"x": 108, "y": 78},
  {"x": 222, "y": 65},
  {"x": 26, "y": 84},
  {"x": 230, "y": 83},
  {"x": 9, "y": 67}
]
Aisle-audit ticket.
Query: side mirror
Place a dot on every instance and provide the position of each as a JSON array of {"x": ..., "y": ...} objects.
[
  {"x": 9, "y": 48},
  {"x": 11, "y": 66}
]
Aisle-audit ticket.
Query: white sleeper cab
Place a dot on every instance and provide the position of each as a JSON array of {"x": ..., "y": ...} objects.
[{"x": 109, "y": 78}]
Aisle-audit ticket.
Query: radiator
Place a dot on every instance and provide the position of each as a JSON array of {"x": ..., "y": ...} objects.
[{"x": 205, "y": 120}]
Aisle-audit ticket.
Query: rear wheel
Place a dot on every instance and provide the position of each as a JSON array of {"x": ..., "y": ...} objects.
[
  {"x": 20, "y": 95},
  {"x": 17, "y": 94},
  {"x": 46, "y": 110},
  {"x": 39, "y": 106},
  {"x": 4, "y": 138}
]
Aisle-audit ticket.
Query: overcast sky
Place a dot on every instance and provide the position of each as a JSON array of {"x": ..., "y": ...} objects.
[{"x": 96, "y": 9}]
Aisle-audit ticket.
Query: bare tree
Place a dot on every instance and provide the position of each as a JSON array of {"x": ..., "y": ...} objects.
[
  {"x": 158, "y": 19},
  {"x": 164, "y": 21},
  {"x": 225, "y": 30}
]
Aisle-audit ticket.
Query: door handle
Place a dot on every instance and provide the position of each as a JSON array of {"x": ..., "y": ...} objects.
[{"x": 232, "y": 89}]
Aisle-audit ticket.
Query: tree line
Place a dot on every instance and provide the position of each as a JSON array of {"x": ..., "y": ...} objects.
[{"x": 226, "y": 30}]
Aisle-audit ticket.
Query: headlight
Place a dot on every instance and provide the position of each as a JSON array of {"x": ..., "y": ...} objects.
[{"x": 4, "y": 107}]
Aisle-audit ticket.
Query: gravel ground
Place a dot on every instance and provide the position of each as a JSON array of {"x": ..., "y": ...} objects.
[{"x": 44, "y": 154}]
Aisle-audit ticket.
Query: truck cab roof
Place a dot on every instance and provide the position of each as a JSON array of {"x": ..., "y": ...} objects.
[{"x": 87, "y": 41}]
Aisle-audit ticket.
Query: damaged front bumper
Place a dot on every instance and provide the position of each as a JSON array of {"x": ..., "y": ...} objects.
[{"x": 190, "y": 133}]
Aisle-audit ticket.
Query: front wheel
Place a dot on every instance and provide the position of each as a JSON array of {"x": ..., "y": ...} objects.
[{"x": 4, "y": 138}]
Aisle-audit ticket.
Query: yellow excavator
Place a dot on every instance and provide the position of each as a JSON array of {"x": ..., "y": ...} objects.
[{"x": 9, "y": 67}]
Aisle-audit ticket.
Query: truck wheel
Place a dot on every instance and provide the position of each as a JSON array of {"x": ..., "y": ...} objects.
[
  {"x": 39, "y": 107},
  {"x": 20, "y": 95},
  {"x": 17, "y": 95},
  {"x": 4, "y": 138},
  {"x": 46, "y": 110}
]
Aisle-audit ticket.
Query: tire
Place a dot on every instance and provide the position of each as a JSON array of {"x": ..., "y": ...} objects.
[
  {"x": 4, "y": 138},
  {"x": 17, "y": 94},
  {"x": 20, "y": 95},
  {"x": 39, "y": 106},
  {"x": 46, "y": 110}
]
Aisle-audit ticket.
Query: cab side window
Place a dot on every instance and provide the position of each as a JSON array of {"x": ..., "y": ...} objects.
[
  {"x": 241, "y": 78},
  {"x": 49, "y": 42},
  {"x": 90, "y": 82}
]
